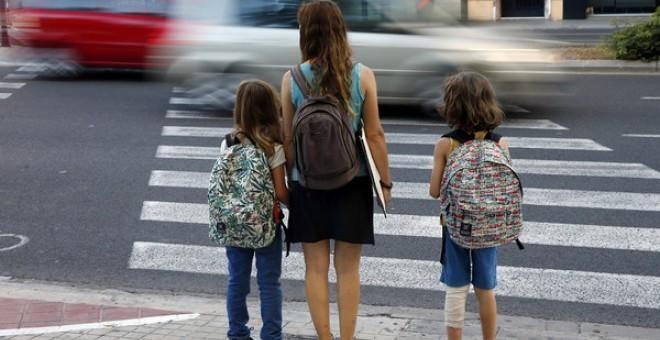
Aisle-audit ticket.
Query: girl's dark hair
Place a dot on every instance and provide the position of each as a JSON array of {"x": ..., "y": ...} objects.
[
  {"x": 470, "y": 103},
  {"x": 257, "y": 114},
  {"x": 323, "y": 38}
]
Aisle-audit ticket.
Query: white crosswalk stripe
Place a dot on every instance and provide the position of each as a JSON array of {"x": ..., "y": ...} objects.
[
  {"x": 524, "y": 166},
  {"x": 419, "y": 139},
  {"x": 552, "y": 234},
  {"x": 21, "y": 76},
  {"x": 567, "y": 285},
  {"x": 5, "y": 95},
  {"x": 419, "y": 191},
  {"x": 558, "y": 285},
  {"x": 12, "y": 86}
]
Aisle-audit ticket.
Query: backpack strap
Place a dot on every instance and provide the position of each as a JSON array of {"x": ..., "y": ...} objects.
[
  {"x": 230, "y": 140},
  {"x": 462, "y": 136},
  {"x": 299, "y": 77}
]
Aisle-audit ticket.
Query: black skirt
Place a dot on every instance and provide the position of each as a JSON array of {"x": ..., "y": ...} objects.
[{"x": 345, "y": 214}]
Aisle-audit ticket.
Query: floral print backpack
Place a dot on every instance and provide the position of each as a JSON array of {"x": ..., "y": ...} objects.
[
  {"x": 482, "y": 195},
  {"x": 241, "y": 197}
]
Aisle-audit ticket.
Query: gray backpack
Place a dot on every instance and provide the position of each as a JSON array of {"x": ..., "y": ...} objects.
[{"x": 324, "y": 141}]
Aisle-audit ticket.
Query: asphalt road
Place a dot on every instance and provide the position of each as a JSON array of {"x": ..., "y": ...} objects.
[{"x": 77, "y": 158}]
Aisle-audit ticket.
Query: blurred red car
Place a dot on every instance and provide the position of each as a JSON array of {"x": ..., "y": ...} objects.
[{"x": 92, "y": 33}]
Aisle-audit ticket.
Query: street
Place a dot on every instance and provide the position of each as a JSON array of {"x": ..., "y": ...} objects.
[{"x": 105, "y": 177}]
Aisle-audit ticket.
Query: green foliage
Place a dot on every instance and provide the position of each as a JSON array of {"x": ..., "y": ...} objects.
[{"x": 640, "y": 41}]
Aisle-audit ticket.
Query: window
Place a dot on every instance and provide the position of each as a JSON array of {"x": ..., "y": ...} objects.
[{"x": 624, "y": 6}]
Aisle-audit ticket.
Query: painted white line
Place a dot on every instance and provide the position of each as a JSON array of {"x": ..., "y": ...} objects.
[
  {"x": 413, "y": 138},
  {"x": 194, "y": 131},
  {"x": 541, "y": 124},
  {"x": 99, "y": 325},
  {"x": 420, "y": 191},
  {"x": 32, "y": 68},
  {"x": 545, "y": 167},
  {"x": 178, "y": 89},
  {"x": 183, "y": 101},
  {"x": 548, "y": 284},
  {"x": 5, "y": 95},
  {"x": 639, "y": 135},
  {"x": 525, "y": 166},
  {"x": 13, "y": 86},
  {"x": 187, "y": 152},
  {"x": 552, "y": 234},
  {"x": 179, "y": 179},
  {"x": 179, "y": 114},
  {"x": 21, "y": 76},
  {"x": 650, "y": 98},
  {"x": 514, "y": 142}
]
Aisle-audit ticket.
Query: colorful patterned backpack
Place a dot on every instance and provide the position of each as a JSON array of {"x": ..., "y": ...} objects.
[
  {"x": 482, "y": 195},
  {"x": 241, "y": 197}
]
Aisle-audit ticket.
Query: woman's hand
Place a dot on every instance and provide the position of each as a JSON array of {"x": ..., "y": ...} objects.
[{"x": 387, "y": 195}]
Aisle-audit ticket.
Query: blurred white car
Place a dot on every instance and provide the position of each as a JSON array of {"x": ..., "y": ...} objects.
[{"x": 219, "y": 43}]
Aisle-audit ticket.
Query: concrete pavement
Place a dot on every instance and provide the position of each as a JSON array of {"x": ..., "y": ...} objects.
[{"x": 159, "y": 315}]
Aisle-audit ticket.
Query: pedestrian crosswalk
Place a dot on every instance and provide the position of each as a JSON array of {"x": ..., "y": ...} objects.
[{"x": 380, "y": 269}]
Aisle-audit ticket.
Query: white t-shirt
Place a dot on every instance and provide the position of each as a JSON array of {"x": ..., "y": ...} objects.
[{"x": 278, "y": 158}]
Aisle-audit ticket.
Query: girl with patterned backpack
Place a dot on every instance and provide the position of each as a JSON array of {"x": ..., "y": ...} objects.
[
  {"x": 247, "y": 183},
  {"x": 481, "y": 199}
]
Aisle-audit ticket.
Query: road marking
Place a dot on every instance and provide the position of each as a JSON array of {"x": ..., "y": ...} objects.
[
  {"x": 640, "y": 135},
  {"x": 33, "y": 68},
  {"x": 106, "y": 324},
  {"x": 540, "y": 124},
  {"x": 20, "y": 240},
  {"x": 187, "y": 152},
  {"x": 178, "y": 89},
  {"x": 182, "y": 114},
  {"x": 420, "y": 191},
  {"x": 650, "y": 98},
  {"x": 13, "y": 86},
  {"x": 183, "y": 101},
  {"x": 514, "y": 142},
  {"x": 548, "y": 284},
  {"x": 545, "y": 167},
  {"x": 5, "y": 95},
  {"x": 21, "y": 76},
  {"x": 552, "y": 234},
  {"x": 414, "y": 138},
  {"x": 524, "y": 166}
]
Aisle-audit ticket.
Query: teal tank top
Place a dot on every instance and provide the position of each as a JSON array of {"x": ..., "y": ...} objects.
[{"x": 356, "y": 103}]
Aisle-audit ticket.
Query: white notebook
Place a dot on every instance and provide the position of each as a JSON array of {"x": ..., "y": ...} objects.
[{"x": 371, "y": 168}]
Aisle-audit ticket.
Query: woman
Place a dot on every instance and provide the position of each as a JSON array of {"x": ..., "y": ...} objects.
[{"x": 344, "y": 215}]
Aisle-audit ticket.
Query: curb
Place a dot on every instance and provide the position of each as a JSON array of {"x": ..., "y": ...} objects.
[{"x": 375, "y": 322}]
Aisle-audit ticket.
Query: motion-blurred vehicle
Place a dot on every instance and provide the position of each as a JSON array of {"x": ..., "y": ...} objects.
[
  {"x": 89, "y": 33},
  {"x": 227, "y": 41}
]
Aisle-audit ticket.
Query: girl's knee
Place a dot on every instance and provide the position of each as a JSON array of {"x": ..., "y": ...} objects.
[{"x": 455, "y": 299}]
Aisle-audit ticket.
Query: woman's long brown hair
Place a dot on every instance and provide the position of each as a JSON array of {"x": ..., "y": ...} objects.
[
  {"x": 323, "y": 40},
  {"x": 256, "y": 114},
  {"x": 470, "y": 103}
]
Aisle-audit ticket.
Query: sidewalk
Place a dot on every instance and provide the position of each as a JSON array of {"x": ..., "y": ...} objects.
[{"x": 86, "y": 313}]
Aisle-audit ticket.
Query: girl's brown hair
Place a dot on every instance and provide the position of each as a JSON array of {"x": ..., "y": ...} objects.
[
  {"x": 323, "y": 39},
  {"x": 256, "y": 114},
  {"x": 470, "y": 103}
]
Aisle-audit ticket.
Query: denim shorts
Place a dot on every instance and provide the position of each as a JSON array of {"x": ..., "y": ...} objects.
[{"x": 461, "y": 266}]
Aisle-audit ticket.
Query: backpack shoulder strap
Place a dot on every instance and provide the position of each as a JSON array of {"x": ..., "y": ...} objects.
[
  {"x": 493, "y": 136},
  {"x": 230, "y": 140},
  {"x": 299, "y": 77},
  {"x": 459, "y": 135}
]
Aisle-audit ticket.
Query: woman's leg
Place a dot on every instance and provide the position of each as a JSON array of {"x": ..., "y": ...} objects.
[
  {"x": 317, "y": 264},
  {"x": 240, "y": 266},
  {"x": 347, "y": 267},
  {"x": 487, "y": 312}
]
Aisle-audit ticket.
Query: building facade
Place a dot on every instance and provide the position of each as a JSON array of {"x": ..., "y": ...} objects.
[{"x": 487, "y": 10}]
